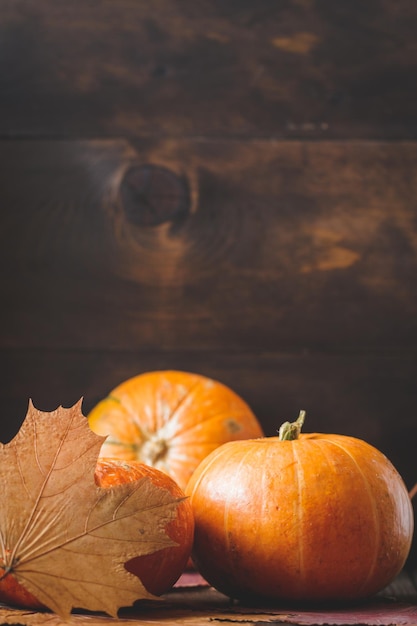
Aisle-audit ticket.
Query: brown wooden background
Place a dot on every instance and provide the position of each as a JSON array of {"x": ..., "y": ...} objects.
[{"x": 226, "y": 187}]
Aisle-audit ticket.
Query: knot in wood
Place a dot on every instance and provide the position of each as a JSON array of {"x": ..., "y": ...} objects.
[{"x": 152, "y": 195}]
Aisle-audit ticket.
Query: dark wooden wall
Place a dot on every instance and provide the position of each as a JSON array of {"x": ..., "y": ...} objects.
[{"x": 227, "y": 187}]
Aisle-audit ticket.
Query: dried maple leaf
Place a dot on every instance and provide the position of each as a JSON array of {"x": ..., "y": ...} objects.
[{"x": 63, "y": 538}]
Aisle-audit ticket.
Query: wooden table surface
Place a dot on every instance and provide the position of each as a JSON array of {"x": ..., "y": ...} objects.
[{"x": 193, "y": 603}]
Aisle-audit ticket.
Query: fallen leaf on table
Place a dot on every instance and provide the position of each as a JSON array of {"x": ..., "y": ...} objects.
[
  {"x": 63, "y": 538},
  {"x": 19, "y": 617}
]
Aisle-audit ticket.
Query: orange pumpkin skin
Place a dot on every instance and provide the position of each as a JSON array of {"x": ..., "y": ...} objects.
[
  {"x": 12, "y": 593},
  {"x": 323, "y": 517},
  {"x": 160, "y": 570},
  {"x": 171, "y": 420},
  {"x": 157, "y": 571}
]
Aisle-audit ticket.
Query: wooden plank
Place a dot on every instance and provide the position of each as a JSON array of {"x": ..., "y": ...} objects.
[
  {"x": 203, "y": 606},
  {"x": 207, "y": 245},
  {"x": 295, "y": 69},
  {"x": 368, "y": 396}
]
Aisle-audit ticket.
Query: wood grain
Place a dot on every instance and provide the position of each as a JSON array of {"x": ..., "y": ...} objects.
[
  {"x": 281, "y": 246},
  {"x": 301, "y": 68}
]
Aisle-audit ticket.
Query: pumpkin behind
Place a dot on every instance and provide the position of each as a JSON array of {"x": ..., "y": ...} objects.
[{"x": 171, "y": 420}]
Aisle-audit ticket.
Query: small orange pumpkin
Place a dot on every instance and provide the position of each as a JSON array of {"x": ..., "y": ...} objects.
[
  {"x": 171, "y": 420},
  {"x": 307, "y": 517},
  {"x": 157, "y": 571}
]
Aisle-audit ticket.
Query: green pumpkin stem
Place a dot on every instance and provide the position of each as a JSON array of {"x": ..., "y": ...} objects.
[{"x": 291, "y": 430}]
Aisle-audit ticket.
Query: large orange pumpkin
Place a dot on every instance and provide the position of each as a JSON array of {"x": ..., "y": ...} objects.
[
  {"x": 157, "y": 571},
  {"x": 171, "y": 420},
  {"x": 307, "y": 517}
]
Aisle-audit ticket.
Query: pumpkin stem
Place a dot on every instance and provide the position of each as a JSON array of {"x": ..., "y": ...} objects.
[
  {"x": 291, "y": 430},
  {"x": 153, "y": 450}
]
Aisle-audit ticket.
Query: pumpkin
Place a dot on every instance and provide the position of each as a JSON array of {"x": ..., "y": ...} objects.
[
  {"x": 157, "y": 571},
  {"x": 160, "y": 570},
  {"x": 171, "y": 420},
  {"x": 12, "y": 593},
  {"x": 304, "y": 517}
]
